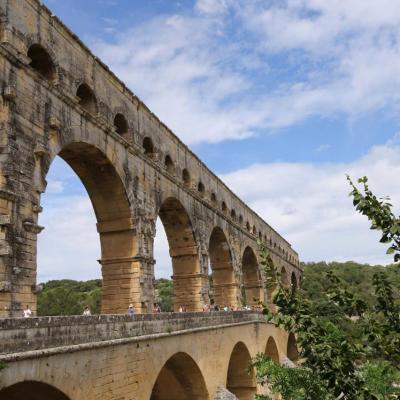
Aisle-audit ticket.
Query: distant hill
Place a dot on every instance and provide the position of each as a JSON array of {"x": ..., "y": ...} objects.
[{"x": 358, "y": 278}]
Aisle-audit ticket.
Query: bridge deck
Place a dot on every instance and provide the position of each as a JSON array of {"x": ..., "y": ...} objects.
[{"x": 28, "y": 337}]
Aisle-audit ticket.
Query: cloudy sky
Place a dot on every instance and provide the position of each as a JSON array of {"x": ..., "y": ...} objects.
[{"x": 280, "y": 98}]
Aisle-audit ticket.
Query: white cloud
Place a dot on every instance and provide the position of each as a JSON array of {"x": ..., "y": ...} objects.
[
  {"x": 212, "y": 75},
  {"x": 309, "y": 204},
  {"x": 54, "y": 186}
]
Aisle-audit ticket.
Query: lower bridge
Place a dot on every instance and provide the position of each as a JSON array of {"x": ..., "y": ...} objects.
[{"x": 145, "y": 356}]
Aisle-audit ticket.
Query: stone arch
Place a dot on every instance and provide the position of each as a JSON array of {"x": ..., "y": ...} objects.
[
  {"x": 112, "y": 208},
  {"x": 240, "y": 381},
  {"x": 223, "y": 276},
  {"x": 121, "y": 125},
  {"x": 251, "y": 277},
  {"x": 32, "y": 390},
  {"x": 293, "y": 282},
  {"x": 148, "y": 147},
  {"x": 169, "y": 164},
  {"x": 271, "y": 350},
  {"x": 41, "y": 61},
  {"x": 180, "y": 379},
  {"x": 292, "y": 350},
  {"x": 200, "y": 188},
  {"x": 187, "y": 277},
  {"x": 186, "y": 178},
  {"x": 87, "y": 98}
]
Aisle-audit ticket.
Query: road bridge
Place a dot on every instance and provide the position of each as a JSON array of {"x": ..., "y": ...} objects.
[{"x": 149, "y": 356}]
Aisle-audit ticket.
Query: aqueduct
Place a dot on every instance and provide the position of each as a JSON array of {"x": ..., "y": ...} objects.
[{"x": 58, "y": 99}]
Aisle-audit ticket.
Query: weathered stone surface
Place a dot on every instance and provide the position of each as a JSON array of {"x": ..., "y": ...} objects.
[
  {"x": 57, "y": 99},
  {"x": 224, "y": 394}
]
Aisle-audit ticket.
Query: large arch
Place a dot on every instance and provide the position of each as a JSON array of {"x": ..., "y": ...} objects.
[
  {"x": 251, "y": 278},
  {"x": 223, "y": 276},
  {"x": 292, "y": 350},
  {"x": 31, "y": 390},
  {"x": 240, "y": 380},
  {"x": 114, "y": 223},
  {"x": 187, "y": 277},
  {"x": 180, "y": 379},
  {"x": 271, "y": 350}
]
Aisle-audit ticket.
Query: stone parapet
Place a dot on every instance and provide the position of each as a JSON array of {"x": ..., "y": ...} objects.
[{"x": 27, "y": 334}]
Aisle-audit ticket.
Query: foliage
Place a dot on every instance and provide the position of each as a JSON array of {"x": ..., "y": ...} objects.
[
  {"x": 381, "y": 379},
  {"x": 69, "y": 297},
  {"x": 349, "y": 344},
  {"x": 164, "y": 288},
  {"x": 379, "y": 212}
]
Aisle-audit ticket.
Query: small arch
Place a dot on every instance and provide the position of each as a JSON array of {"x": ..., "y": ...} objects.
[
  {"x": 259, "y": 235},
  {"x": 180, "y": 379},
  {"x": 223, "y": 277},
  {"x": 121, "y": 125},
  {"x": 240, "y": 381},
  {"x": 271, "y": 350},
  {"x": 148, "y": 147},
  {"x": 251, "y": 278},
  {"x": 293, "y": 282},
  {"x": 254, "y": 230},
  {"x": 200, "y": 188},
  {"x": 240, "y": 219},
  {"x": 41, "y": 61},
  {"x": 233, "y": 214},
  {"x": 87, "y": 99},
  {"x": 169, "y": 164},
  {"x": 32, "y": 390},
  {"x": 223, "y": 207},
  {"x": 292, "y": 350},
  {"x": 186, "y": 177},
  {"x": 213, "y": 197},
  {"x": 248, "y": 226}
]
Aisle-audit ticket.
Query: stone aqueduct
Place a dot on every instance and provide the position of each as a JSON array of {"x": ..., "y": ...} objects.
[{"x": 58, "y": 99}]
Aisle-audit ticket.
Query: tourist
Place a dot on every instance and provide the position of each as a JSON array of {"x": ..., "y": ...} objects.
[
  {"x": 86, "y": 311},
  {"x": 157, "y": 309},
  {"x": 180, "y": 309},
  {"x": 131, "y": 309},
  {"x": 27, "y": 312}
]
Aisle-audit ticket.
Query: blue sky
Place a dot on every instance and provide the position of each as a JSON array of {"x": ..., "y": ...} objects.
[{"x": 279, "y": 98}]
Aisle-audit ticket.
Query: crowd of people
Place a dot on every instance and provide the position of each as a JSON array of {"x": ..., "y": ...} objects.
[{"x": 27, "y": 313}]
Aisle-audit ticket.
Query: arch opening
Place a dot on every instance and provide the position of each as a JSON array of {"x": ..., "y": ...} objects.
[
  {"x": 32, "y": 390},
  {"x": 118, "y": 243},
  {"x": 240, "y": 381},
  {"x": 251, "y": 278},
  {"x": 121, "y": 125},
  {"x": 41, "y": 62},
  {"x": 292, "y": 350},
  {"x": 271, "y": 350},
  {"x": 87, "y": 99},
  {"x": 180, "y": 379},
  {"x": 223, "y": 277},
  {"x": 186, "y": 177},
  {"x": 187, "y": 278},
  {"x": 169, "y": 164},
  {"x": 148, "y": 147},
  {"x": 200, "y": 188}
]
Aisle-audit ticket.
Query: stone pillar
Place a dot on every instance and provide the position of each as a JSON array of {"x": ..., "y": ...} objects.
[
  {"x": 120, "y": 265},
  {"x": 188, "y": 280}
]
